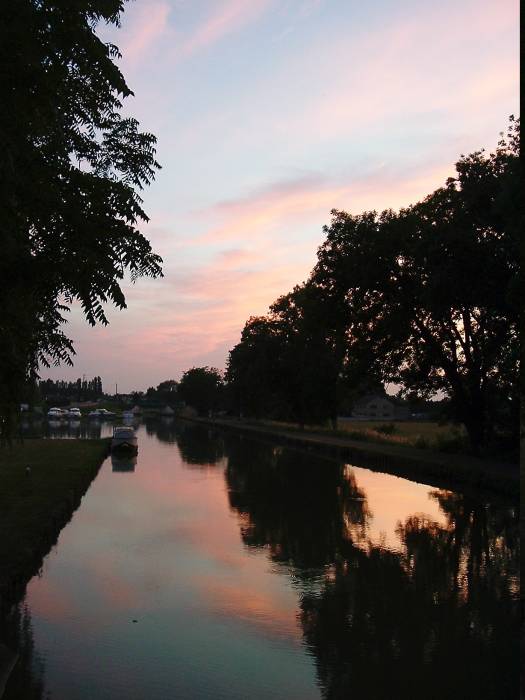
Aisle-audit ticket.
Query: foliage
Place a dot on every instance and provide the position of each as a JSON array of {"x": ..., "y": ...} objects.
[
  {"x": 80, "y": 390},
  {"x": 429, "y": 295},
  {"x": 426, "y": 298},
  {"x": 201, "y": 388},
  {"x": 252, "y": 373},
  {"x": 287, "y": 364},
  {"x": 70, "y": 174},
  {"x": 386, "y": 428}
]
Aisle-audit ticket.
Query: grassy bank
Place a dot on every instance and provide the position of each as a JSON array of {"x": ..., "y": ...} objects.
[
  {"x": 425, "y": 465},
  {"x": 419, "y": 434},
  {"x": 35, "y": 506}
]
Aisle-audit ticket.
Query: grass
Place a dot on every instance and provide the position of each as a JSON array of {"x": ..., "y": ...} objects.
[
  {"x": 34, "y": 507},
  {"x": 420, "y": 434}
]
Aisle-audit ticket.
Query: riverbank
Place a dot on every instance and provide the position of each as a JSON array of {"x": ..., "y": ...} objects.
[
  {"x": 440, "y": 469},
  {"x": 41, "y": 485}
]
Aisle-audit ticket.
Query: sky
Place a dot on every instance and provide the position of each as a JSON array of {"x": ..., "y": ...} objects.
[{"x": 268, "y": 114}]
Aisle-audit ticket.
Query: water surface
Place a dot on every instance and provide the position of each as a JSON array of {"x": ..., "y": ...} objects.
[{"x": 218, "y": 566}]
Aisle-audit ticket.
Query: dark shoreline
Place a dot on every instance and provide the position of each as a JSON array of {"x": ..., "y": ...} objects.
[
  {"x": 449, "y": 471},
  {"x": 14, "y": 579}
]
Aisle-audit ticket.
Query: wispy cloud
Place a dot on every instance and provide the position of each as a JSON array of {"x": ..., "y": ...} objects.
[
  {"x": 226, "y": 17},
  {"x": 291, "y": 203},
  {"x": 146, "y": 25},
  {"x": 148, "y": 22}
]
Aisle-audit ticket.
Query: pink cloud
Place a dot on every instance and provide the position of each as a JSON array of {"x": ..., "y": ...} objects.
[
  {"x": 148, "y": 22},
  {"x": 311, "y": 199},
  {"x": 426, "y": 63},
  {"x": 228, "y": 16},
  {"x": 235, "y": 256},
  {"x": 195, "y": 314}
]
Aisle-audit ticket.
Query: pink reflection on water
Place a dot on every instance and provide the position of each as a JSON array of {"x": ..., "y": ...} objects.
[
  {"x": 392, "y": 500},
  {"x": 263, "y": 611}
]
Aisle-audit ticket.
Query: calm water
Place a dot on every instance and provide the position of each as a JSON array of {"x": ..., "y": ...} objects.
[{"x": 217, "y": 566}]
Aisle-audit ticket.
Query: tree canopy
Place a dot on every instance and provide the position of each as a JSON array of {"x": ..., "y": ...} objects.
[
  {"x": 430, "y": 293},
  {"x": 288, "y": 363},
  {"x": 201, "y": 388},
  {"x": 426, "y": 297},
  {"x": 70, "y": 177}
]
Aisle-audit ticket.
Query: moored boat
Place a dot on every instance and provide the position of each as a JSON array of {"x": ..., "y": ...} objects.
[{"x": 124, "y": 439}]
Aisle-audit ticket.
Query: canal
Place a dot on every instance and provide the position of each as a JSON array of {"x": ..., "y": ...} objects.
[{"x": 218, "y": 566}]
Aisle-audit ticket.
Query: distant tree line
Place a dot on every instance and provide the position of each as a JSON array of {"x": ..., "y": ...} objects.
[
  {"x": 79, "y": 390},
  {"x": 426, "y": 298},
  {"x": 202, "y": 388}
]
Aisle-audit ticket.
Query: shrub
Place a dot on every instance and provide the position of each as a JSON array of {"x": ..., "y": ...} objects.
[
  {"x": 386, "y": 429},
  {"x": 451, "y": 442}
]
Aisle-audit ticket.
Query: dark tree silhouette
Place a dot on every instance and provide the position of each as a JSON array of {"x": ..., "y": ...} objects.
[
  {"x": 426, "y": 298},
  {"x": 253, "y": 371},
  {"x": 201, "y": 388},
  {"x": 70, "y": 173},
  {"x": 430, "y": 295},
  {"x": 288, "y": 364}
]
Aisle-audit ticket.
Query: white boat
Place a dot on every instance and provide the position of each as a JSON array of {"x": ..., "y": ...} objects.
[
  {"x": 74, "y": 413},
  {"x": 101, "y": 413},
  {"x": 55, "y": 413},
  {"x": 124, "y": 438}
]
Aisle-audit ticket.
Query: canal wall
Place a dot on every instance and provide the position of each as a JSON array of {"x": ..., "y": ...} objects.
[{"x": 449, "y": 471}]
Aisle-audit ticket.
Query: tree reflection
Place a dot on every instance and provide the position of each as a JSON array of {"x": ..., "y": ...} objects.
[
  {"x": 303, "y": 511},
  {"x": 437, "y": 618},
  {"x": 199, "y": 445},
  {"x": 26, "y": 681},
  {"x": 166, "y": 430}
]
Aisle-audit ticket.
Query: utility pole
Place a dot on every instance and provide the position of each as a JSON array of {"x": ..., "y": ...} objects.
[{"x": 116, "y": 389}]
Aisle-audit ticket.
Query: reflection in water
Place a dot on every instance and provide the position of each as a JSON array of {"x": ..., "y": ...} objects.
[
  {"x": 200, "y": 446},
  {"x": 295, "y": 504},
  {"x": 26, "y": 681},
  {"x": 378, "y": 587},
  {"x": 437, "y": 619},
  {"x": 64, "y": 429},
  {"x": 123, "y": 463}
]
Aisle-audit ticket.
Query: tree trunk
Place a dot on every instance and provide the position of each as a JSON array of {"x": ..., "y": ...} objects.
[{"x": 475, "y": 424}]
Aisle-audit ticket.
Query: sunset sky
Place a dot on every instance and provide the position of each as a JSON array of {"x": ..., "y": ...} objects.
[{"x": 268, "y": 114}]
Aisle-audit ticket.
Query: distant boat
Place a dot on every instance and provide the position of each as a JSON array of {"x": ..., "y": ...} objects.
[
  {"x": 55, "y": 413},
  {"x": 101, "y": 413},
  {"x": 124, "y": 439},
  {"x": 74, "y": 413}
]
